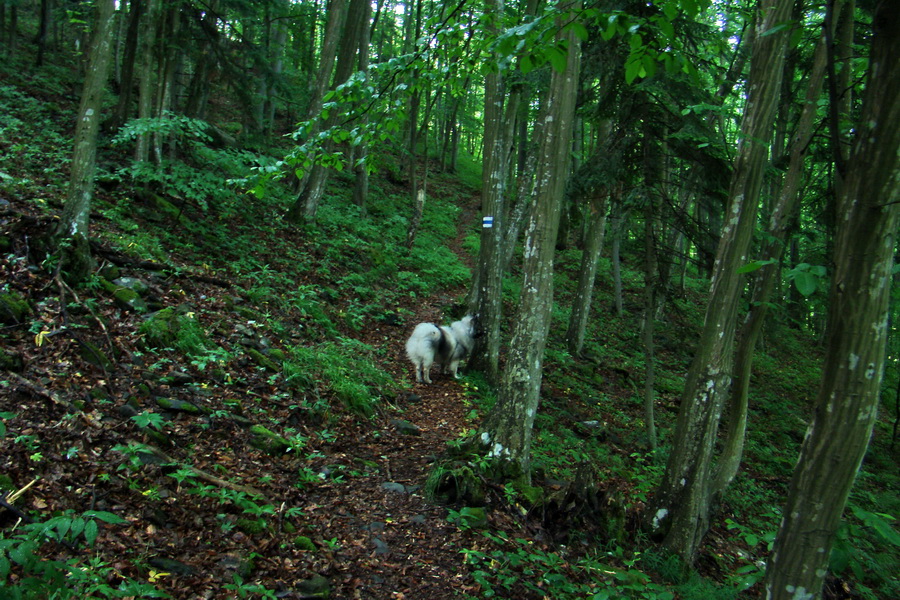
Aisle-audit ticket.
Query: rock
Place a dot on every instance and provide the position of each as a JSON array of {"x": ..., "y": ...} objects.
[
  {"x": 177, "y": 378},
  {"x": 168, "y": 565},
  {"x": 391, "y": 486},
  {"x": 315, "y": 587},
  {"x": 233, "y": 563},
  {"x": 132, "y": 283},
  {"x": 176, "y": 405},
  {"x": 381, "y": 546},
  {"x": 11, "y": 361},
  {"x": 262, "y": 360},
  {"x": 304, "y": 543},
  {"x": 129, "y": 409},
  {"x": 405, "y": 427},
  {"x": 92, "y": 354}
]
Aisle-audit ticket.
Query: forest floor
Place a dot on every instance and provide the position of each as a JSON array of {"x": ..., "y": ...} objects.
[{"x": 365, "y": 524}]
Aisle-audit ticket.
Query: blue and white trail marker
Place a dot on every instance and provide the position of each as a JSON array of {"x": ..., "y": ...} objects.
[{"x": 487, "y": 222}]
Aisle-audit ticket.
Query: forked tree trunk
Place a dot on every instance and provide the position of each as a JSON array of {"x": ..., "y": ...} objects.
[
  {"x": 847, "y": 403},
  {"x": 680, "y": 509},
  {"x": 764, "y": 282},
  {"x": 506, "y": 433}
]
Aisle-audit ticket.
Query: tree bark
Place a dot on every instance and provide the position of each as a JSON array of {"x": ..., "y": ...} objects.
[
  {"x": 681, "y": 505},
  {"x": 485, "y": 294},
  {"x": 506, "y": 433},
  {"x": 765, "y": 280},
  {"x": 846, "y": 406},
  {"x": 581, "y": 302},
  {"x": 73, "y": 229}
]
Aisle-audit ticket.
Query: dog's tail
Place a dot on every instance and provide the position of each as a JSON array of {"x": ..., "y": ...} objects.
[{"x": 425, "y": 340}]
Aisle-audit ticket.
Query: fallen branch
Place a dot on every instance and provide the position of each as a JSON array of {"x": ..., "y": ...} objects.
[
  {"x": 208, "y": 477},
  {"x": 117, "y": 258},
  {"x": 39, "y": 390}
]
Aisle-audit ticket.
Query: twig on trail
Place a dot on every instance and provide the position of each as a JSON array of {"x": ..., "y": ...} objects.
[
  {"x": 208, "y": 477},
  {"x": 15, "y": 495}
]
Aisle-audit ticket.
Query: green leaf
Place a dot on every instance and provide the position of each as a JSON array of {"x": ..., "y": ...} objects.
[
  {"x": 755, "y": 265},
  {"x": 558, "y": 58},
  {"x": 526, "y": 65},
  {"x": 776, "y": 29},
  {"x": 580, "y": 30},
  {"x": 632, "y": 70},
  {"x": 806, "y": 283},
  {"x": 90, "y": 532},
  {"x": 106, "y": 517}
]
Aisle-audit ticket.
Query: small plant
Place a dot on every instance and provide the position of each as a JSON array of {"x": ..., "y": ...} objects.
[
  {"x": 148, "y": 419},
  {"x": 78, "y": 577}
]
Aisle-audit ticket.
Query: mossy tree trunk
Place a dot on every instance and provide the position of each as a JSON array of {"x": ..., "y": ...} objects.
[
  {"x": 868, "y": 214},
  {"x": 72, "y": 233},
  {"x": 680, "y": 509},
  {"x": 506, "y": 432}
]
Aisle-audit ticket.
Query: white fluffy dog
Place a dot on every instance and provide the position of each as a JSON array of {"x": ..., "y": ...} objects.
[{"x": 430, "y": 343}]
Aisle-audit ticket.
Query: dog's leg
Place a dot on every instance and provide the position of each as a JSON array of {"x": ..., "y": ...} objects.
[
  {"x": 418, "y": 372},
  {"x": 426, "y": 370}
]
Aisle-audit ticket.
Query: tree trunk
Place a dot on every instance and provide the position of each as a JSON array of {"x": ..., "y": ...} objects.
[
  {"x": 485, "y": 294},
  {"x": 681, "y": 504},
  {"x": 146, "y": 36},
  {"x": 765, "y": 279},
  {"x": 72, "y": 232},
  {"x": 847, "y": 403},
  {"x": 581, "y": 302},
  {"x": 360, "y": 168},
  {"x": 307, "y": 203},
  {"x": 126, "y": 85},
  {"x": 506, "y": 433}
]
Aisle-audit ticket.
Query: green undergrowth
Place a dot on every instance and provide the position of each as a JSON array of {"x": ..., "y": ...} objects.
[{"x": 308, "y": 290}]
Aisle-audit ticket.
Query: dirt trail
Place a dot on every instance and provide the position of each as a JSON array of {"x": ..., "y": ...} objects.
[{"x": 392, "y": 542}]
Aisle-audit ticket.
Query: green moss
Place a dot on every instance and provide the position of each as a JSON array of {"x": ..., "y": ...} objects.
[
  {"x": 169, "y": 328},
  {"x": 10, "y": 361},
  {"x": 174, "y": 404},
  {"x": 92, "y": 354},
  {"x": 251, "y": 526},
  {"x": 268, "y": 441},
  {"x": 304, "y": 543},
  {"x": 262, "y": 360},
  {"x": 13, "y": 308}
]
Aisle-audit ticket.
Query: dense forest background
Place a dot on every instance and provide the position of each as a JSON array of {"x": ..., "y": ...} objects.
[{"x": 676, "y": 222}]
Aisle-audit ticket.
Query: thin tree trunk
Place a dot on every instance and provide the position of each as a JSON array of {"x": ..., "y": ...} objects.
[
  {"x": 73, "y": 229},
  {"x": 847, "y": 403},
  {"x": 581, "y": 302}
]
